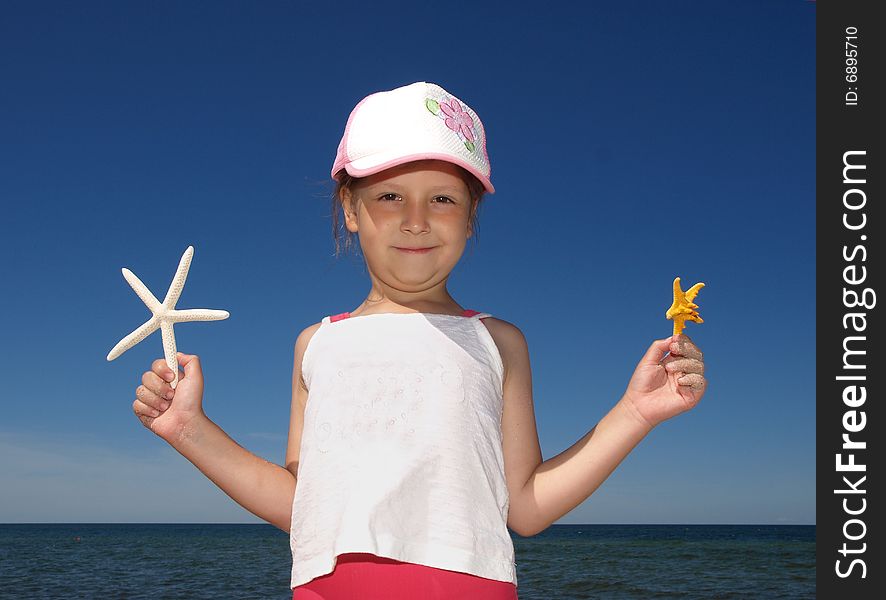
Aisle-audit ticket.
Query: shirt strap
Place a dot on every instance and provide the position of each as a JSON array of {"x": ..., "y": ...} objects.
[{"x": 476, "y": 314}]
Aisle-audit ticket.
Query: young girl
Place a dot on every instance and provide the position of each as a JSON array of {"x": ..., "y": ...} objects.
[{"x": 412, "y": 439}]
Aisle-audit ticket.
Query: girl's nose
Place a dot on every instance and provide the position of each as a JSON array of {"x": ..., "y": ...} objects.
[{"x": 415, "y": 219}]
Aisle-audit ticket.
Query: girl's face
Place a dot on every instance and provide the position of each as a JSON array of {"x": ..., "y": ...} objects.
[{"x": 421, "y": 204}]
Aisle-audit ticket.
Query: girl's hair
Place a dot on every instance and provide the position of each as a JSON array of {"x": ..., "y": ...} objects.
[{"x": 475, "y": 188}]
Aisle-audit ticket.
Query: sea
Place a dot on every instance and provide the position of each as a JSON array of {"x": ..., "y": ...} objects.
[{"x": 127, "y": 561}]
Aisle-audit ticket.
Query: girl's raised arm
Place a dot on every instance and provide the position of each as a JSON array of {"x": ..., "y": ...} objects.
[
  {"x": 263, "y": 488},
  {"x": 660, "y": 388}
]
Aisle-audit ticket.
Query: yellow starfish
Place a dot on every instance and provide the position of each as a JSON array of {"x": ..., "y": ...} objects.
[{"x": 683, "y": 308}]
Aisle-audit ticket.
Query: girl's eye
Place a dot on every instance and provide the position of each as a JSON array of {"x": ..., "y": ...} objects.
[{"x": 393, "y": 196}]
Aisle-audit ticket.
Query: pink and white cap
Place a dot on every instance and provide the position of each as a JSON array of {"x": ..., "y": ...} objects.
[{"x": 413, "y": 122}]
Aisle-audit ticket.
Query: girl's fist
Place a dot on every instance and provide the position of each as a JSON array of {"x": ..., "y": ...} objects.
[
  {"x": 661, "y": 388},
  {"x": 163, "y": 410}
]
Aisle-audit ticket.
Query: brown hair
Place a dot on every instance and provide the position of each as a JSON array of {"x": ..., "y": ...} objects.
[{"x": 339, "y": 231}]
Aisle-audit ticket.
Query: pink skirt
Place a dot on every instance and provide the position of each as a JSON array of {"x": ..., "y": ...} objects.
[{"x": 360, "y": 576}]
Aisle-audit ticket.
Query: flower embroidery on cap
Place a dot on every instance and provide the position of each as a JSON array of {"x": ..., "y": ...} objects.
[{"x": 455, "y": 118}]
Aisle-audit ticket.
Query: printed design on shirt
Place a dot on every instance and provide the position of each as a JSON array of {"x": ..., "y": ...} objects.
[{"x": 386, "y": 403}]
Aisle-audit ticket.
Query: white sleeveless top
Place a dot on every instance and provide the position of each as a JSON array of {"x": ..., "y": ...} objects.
[{"x": 401, "y": 453}]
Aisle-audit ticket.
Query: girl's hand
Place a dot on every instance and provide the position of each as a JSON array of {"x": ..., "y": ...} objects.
[
  {"x": 163, "y": 410},
  {"x": 662, "y": 388}
]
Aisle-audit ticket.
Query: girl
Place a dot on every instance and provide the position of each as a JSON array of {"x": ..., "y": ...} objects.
[{"x": 412, "y": 439}]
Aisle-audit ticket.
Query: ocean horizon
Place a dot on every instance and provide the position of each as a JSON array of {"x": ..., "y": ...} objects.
[{"x": 243, "y": 560}]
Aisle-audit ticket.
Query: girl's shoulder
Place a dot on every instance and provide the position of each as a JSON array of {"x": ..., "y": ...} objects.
[
  {"x": 301, "y": 345},
  {"x": 507, "y": 337},
  {"x": 307, "y": 333},
  {"x": 302, "y": 341},
  {"x": 500, "y": 327}
]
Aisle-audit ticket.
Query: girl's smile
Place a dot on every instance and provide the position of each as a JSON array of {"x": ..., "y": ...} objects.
[{"x": 415, "y": 250}]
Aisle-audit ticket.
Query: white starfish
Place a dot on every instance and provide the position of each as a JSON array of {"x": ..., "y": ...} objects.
[{"x": 165, "y": 314}]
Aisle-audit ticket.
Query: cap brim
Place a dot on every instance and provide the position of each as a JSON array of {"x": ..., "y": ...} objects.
[{"x": 370, "y": 165}]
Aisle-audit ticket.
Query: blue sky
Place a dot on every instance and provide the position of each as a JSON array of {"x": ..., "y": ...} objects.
[{"x": 631, "y": 142}]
